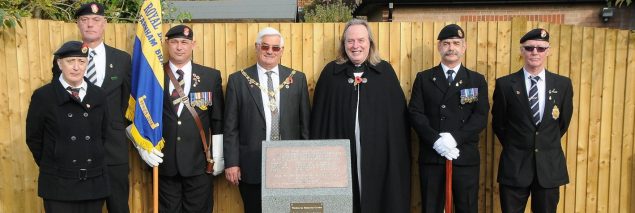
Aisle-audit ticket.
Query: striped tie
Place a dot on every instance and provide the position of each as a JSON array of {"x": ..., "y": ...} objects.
[
  {"x": 534, "y": 102},
  {"x": 450, "y": 78},
  {"x": 91, "y": 73},
  {"x": 175, "y": 94},
  {"x": 275, "y": 117}
]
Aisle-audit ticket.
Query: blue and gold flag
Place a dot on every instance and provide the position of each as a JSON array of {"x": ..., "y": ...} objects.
[{"x": 145, "y": 108}]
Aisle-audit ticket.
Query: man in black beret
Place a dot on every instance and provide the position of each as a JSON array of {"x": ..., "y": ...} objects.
[
  {"x": 531, "y": 112},
  {"x": 65, "y": 131},
  {"x": 109, "y": 69},
  {"x": 185, "y": 185},
  {"x": 448, "y": 110}
]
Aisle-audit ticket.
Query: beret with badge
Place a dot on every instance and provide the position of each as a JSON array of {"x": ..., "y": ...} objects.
[
  {"x": 92, "y": 8},
  {"x": 538, "y": 34},
  {"x": 180, "y": 31},
  {"x": 72, "y": 49},
  {"x": 451, "y": 31}
]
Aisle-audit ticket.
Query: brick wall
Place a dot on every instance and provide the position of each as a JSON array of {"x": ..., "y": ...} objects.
[{"x": 580, "y": 14}]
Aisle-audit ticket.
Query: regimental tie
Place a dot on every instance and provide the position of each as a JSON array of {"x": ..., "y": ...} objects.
[
  {"x": 450, "y": 78},
  {"x": 275, "y": 117},
  {"x": 74, "y": 92},
  {"x": 175, "y": 94},
  {"x": 534, "y": 102},
  {"x": 91, "y": 73}
]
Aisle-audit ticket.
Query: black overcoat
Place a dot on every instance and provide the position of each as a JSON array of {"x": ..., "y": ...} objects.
[{"x": 67, "y": 139}]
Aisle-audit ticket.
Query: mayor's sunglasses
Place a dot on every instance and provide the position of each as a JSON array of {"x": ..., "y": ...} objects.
[{"x": 265, "y": 47}]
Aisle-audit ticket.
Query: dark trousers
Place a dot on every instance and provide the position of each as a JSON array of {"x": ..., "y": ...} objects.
[
  {"x": 186, "y": 194},
  {"x": 117, "y": 202},
  {"x": 543, "y": 200},
  {"x": 84, "y": 206},
  {"x": 464, "y": 188},
  {"x": 250, "y": 193}
]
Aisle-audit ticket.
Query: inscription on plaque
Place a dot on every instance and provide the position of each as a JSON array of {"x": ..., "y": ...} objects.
[
  {"x": 306, "y": 167},
  {"x": 307, "y": 208}
]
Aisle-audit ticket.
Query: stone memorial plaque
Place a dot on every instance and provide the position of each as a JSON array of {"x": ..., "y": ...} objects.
[{"x": 306, "y": 176}]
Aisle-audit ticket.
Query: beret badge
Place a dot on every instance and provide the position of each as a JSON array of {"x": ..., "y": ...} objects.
[
  {"x": 94, "y": 8},
  {"x": 460, "y": 33},
  {"x": 186, "y": 31},
  {"x": 543, "y": 34}
]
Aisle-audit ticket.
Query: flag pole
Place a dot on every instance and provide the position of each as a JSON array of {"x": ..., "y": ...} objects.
[
  {"x": 155, "y": 189},
  {"x": 448, "y": 186}
]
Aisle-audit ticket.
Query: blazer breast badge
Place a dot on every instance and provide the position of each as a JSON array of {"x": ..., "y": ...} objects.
[
  {"x": 469, "y": 95},
  {"x": 200, "y": 99}
]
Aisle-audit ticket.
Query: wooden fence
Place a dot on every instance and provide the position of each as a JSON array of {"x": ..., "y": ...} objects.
[{"x": 600, "y": 62}]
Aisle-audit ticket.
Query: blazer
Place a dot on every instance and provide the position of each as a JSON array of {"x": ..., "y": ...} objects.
[
  {"x": 436, "y": 107},
  {"x": 531, "y": 151},
  {"x": 245, "y": 126},
  {"x": 116, "y": 87},
  {"x": 183, "y": 150},
  {"x": 67, "y": 139}
]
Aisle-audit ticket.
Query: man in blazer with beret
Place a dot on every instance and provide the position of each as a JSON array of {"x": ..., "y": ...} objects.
[
  {"x": 110, "y": 69},
  {"x": 531, "y": 112},
  {"x": 448, "y": 110},
  {"x": 265, "y": 102}
]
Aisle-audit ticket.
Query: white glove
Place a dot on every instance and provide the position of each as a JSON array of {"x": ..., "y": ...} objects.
[
  {"x": 453, "y": 154},
  {"x": 440, "y": 147},
  {"x": 448, "y": 140},
  {"x": 152, "y": 158},
  {"x": 217, "y": 154}
]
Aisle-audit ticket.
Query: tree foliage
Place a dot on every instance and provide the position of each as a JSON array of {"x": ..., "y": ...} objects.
[
  {"x": 126, "y": 11},
  {"x": 328, "y": 11}
]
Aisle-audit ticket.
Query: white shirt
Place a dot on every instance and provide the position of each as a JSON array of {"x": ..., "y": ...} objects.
[
  {"x": 358, "y": 144},
  {"x": 262, "y": 80},
  {"x": 100, "y": 63},
  {"x": 82, "y": 88},
  {"x": 187, "y": 79},
  {"x": 541, "y": 89},
  {"x": 446, "y": 68}
]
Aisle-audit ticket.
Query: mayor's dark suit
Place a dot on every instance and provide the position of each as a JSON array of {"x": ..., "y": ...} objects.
[
  {"x": 184, "y": 159},
  {"x": 245, "y": 126},
  {"x": 435, "y": 107},
  {"x": 67, "y": 139},
  {"x": 531, "y": 153},
  {"x": 116, "y": 87}
]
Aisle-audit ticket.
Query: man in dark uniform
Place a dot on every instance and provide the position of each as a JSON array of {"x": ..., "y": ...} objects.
[
  {"x": 184, "y": 185},
  {"x": 358, "y": 97},
  {"x": 252, "y": 114},
  {"x": 66, "y": 130},
  {"x": 448, "y": 110},
  {"x": 110, "y": 69},
  {"x": 531, "y": 112}
]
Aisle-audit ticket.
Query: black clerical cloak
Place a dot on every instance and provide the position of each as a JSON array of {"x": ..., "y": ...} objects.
[{"x": 384, "y": 131}]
